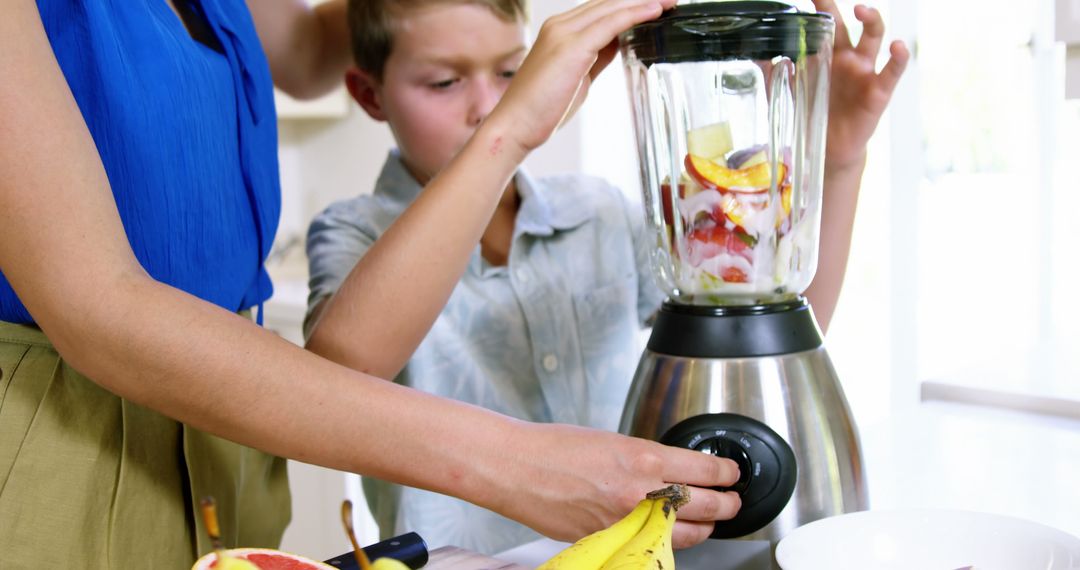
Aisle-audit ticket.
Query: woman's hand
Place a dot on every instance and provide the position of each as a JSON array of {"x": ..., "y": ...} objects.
[
  {"x": 570, "y": 51},
  {"x": 577, "y": 481},
  {"x": 859, "y": 94}
]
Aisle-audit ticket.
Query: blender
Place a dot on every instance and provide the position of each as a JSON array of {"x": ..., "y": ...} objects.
[{"x": 730, "y": 104}]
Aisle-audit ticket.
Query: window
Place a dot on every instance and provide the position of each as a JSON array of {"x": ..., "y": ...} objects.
[{"x": 981, "y": 227}]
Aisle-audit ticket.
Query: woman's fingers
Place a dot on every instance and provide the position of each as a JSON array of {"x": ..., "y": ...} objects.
[
  {"x": 698, "y": 469},
  {"x": 708, "y": 505},
  {"x": 701, "y": 471},
  {"x": 697, "y": 518},
  {"x": 690, "y": 533}
]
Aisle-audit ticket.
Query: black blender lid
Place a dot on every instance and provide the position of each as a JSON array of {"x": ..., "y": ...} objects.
[
  {"x": 709, "y": 31},
  {"x": 736, "y": 7}
]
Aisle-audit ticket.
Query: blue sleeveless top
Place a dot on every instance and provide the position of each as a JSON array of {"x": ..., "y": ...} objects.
[{"x": 188, "y": 136}]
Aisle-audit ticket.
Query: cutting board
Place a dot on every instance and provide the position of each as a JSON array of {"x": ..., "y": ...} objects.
[{"x": 454, "y": 558}]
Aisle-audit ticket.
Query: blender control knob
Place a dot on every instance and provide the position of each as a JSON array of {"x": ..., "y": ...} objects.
[
  {"x": 725, "y": 447},
  {"x": 767, "y": 468}
]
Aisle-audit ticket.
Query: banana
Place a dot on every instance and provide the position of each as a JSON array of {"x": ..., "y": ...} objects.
[
  {"x": 591, "y": 552},
  {"x": 650, "y": 549},
  {"x": 640, "y": 541}
]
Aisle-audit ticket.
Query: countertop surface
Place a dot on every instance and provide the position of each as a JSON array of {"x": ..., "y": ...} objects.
[{"x": 944, "y": 455}]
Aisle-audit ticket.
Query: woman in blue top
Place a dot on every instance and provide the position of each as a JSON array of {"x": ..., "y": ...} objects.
[{"x": 138, "y": 198}]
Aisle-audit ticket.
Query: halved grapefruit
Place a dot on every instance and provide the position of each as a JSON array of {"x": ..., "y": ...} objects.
[{"x": 265, "y": 559}]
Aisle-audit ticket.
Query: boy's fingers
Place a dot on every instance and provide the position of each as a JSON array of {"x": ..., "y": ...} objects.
[
  {"x": 571, "y": 13},
  {"x": 894, "y": 69},
  {"x": 605, "y": 19},
  {"x": 595, "y": 10},
  {"x": 603, "y": 58},
  {"x": 843, "y": 40},
  {"x": 585, "y": 14},
  {"x": 873, "y": 31}
]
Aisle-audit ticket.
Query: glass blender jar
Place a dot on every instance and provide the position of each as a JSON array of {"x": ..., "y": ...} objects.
[
  {"x": 730, "y": 109},
  {"x": 731, "y": 106}
]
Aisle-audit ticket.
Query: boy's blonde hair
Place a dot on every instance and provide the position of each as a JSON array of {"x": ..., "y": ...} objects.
[{"x": 371, "y": 25}]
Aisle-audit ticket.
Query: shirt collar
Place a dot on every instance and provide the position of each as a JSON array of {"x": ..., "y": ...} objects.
[
  {"x": 395, "y": 185},
  {"x": 544, "y": 208}
]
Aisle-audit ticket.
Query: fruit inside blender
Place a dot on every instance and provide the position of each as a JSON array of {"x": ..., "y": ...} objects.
[{"x": 730, "y": 226}]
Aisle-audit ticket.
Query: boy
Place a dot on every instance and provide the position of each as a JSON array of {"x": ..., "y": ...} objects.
[{"x": 542, "y": 326}]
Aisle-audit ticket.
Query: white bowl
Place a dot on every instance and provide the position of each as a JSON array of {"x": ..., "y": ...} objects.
[{"x": 927, "y": 539}]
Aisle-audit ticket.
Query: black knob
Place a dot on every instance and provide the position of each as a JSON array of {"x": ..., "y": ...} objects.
[
  {"x": 729, "y": 448},
  {"x": 767, "y": 469}
]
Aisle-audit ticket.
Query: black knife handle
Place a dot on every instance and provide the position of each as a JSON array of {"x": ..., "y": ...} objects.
[{"x": 409, "y": 548}]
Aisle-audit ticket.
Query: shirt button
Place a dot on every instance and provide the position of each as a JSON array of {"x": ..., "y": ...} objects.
[
  {"x": 551, "y": 363},
  {"x": 523, "y": 275}
]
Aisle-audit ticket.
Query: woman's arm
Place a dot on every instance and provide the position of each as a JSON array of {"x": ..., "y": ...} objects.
[
  {"x": 64, "y": 250},
  {"x": 308, "y": 47}
]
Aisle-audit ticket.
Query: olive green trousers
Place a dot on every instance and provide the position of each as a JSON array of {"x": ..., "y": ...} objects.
[{"x": 90, "y": 480}]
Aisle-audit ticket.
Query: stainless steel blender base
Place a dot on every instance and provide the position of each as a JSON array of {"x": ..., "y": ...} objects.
[{"x": 796, "y": 394}]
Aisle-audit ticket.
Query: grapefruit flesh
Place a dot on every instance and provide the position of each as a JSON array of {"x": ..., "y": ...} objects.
[{"x": 265, "y": 559}]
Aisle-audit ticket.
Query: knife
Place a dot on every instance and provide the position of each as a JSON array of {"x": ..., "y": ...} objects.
[{"x": 409, "y": 548}]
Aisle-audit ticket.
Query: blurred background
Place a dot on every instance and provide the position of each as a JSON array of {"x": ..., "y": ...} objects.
[{"x": 959, "y": 287}]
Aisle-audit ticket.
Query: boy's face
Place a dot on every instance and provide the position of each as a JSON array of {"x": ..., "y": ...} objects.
[{"x": 450, "y": 64}]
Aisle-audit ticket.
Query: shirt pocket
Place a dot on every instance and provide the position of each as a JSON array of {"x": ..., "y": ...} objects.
[
  {"x": 606, "y": 313},
  {"x": 607, "y": 326}
]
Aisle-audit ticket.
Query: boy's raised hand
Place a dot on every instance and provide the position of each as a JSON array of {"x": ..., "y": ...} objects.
[
  {"x": 858, "y": 97},
  {"x": 571, "y": 49},
  {"x": 859, "y": 94}
]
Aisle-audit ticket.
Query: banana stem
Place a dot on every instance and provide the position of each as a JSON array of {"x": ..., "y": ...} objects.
[{"x": 679, "y": 495}]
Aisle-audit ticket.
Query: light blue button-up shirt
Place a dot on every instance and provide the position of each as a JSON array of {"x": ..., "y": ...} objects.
[{"x": 550, "y": 337}]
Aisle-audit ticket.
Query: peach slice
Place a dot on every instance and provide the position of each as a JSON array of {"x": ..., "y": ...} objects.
[{"x": 751, "y": 180}]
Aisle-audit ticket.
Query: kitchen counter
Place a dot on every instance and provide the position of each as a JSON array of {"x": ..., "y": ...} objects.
[
  {"x": 944, "y": 455},
  {"x": 453, "y": 558}
]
